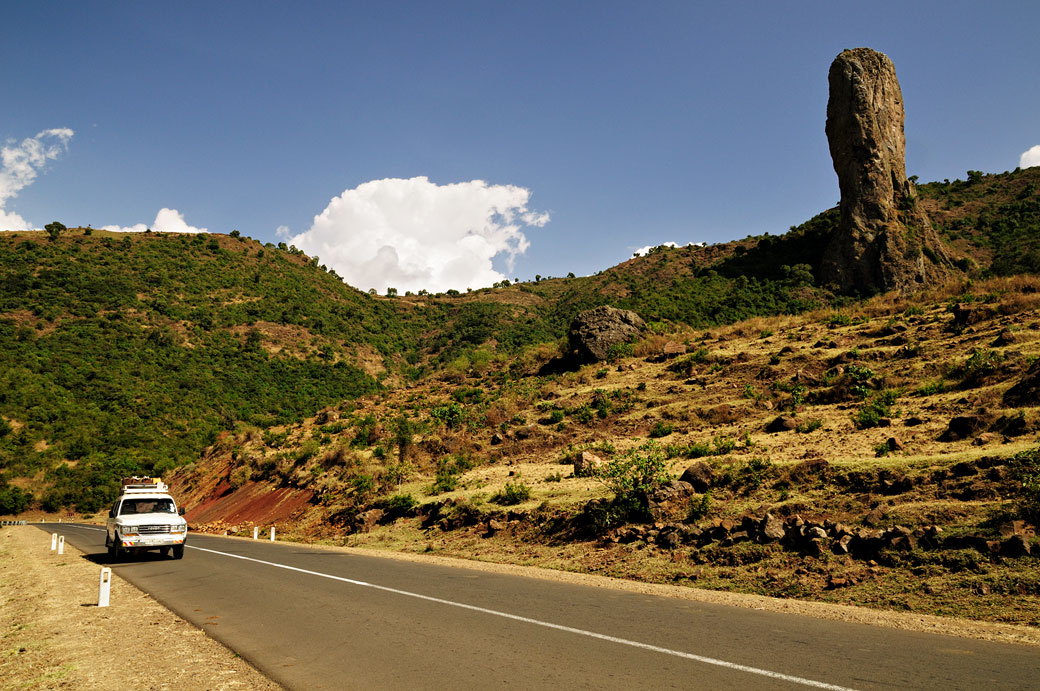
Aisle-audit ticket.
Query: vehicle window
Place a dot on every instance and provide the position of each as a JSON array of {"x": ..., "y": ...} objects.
[{"x": 135, "y": 506}]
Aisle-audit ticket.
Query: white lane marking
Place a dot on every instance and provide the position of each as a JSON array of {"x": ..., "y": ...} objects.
[{"x": 546, "y": 624}]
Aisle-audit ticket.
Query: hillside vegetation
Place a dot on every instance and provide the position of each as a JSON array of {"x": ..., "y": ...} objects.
[
  {"x": 876, "y": 454},
  {"x": 134, "y": 352}
]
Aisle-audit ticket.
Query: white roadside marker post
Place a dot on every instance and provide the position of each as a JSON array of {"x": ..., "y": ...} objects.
[
  {"x": 256, "y": 532},
  {"x": 54, "y": 541},
  {"x": 104, "y": 586},
  {"x": 61, "y": 544},
  {"x": 272, "y": 533}
]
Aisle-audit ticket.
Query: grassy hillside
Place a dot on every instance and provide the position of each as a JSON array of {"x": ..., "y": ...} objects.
[
  {"x": 132, "y": 352},
  {"x": 878, "y": 443},
  {"x": 123, "y": 353}
]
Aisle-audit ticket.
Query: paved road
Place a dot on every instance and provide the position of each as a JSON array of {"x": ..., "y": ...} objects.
[{"x": 320, "y": 619}]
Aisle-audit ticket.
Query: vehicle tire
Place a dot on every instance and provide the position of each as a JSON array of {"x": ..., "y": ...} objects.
[
  {"x": 113, "y": 553},
  {"x": 116, "y": 551},
  {"x": 178, "y": 551},
  {"x": 165, "y": 551}
]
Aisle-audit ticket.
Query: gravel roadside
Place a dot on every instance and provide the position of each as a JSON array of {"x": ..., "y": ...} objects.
[{"x": 54, "y": 636}]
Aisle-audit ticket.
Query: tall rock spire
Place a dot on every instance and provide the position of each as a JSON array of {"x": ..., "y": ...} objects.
[{"x": 884, "y": 241}]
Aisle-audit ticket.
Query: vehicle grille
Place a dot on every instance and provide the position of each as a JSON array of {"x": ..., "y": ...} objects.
[{"x": 153, "y": 529}]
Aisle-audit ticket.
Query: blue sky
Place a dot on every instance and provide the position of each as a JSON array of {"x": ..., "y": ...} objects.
[{"x": 598, "y": 127}]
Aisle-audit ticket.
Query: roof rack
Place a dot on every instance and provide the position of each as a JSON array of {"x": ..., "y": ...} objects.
[{"x": 143, "y": 484}]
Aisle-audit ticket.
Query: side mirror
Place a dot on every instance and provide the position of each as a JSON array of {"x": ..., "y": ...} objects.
[
  {"x": 111, "y": 513},
  {"x": 180, "y": 511}
]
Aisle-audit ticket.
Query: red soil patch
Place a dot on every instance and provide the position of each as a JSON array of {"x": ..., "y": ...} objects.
[{"x": 251, "y": 503}]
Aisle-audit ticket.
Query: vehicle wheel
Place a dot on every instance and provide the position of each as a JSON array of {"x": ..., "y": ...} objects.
[
  {"x": 165, "y": 551},
  {"x": 178, "y": 551},
  {"x": 113, "y": 554},
  {"x": 116, "y": 552}
]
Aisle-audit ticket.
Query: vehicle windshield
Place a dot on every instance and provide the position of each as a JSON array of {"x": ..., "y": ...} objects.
[{"x": 134, "y": 506}]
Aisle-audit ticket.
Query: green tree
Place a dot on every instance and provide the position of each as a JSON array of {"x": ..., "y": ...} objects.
[
  {"x": 634, "y": 476},
  {"x": 55, "y": 229},
  {"x": 402, "y": 436}
]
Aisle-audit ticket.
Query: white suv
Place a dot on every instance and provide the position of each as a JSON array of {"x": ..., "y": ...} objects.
[{"x": 144, "y": 517}]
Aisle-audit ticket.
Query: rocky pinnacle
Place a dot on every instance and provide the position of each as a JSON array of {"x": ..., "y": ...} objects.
[{"x": 884, "y": 241}]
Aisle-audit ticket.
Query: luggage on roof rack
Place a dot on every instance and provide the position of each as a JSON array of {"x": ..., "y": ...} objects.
[{"x": 146, "y": 484}]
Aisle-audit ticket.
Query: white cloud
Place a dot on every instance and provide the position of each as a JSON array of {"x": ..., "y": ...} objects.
[
  {"x": 21, "y": 162},
  {"x": 166, "y": 221},
  {"x": 414, "y": 234},
  {"x": 12, "y": 221},
  {"x": 1030, "y": 158}
]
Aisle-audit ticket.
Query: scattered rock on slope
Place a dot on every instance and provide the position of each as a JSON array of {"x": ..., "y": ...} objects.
[
  {"x": 1027, "y": 391},
  {"x": 594, "y": 331},
  {"x": 884, "y": 241}
]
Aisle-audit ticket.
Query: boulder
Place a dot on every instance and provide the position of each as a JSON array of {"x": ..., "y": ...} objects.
[
  {"x": 369, "y": 519},
  {"x": 673, "y": 349},
  {"x": 1027, "y": 391},
  {"x": 884, "y": 240},
  {"x": 700, "y": 476},
  {"x": 773, "y": 528},
  {"x": 783, "y": 423},
  {"x": 1004, "y": 338},
  {"x": 594, "y": 331},
  {"x": 964, "y": 427},
  {"x": 670, "y": 500},
  {"x": 587, "y": 463},
  {"x": 1016, "y": 546}
]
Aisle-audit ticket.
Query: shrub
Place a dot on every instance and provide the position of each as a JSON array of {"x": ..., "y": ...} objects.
[
  {"x": 619, "y": 350},
  {"x": 513, "y": 493},
  {"x": 698, "y": 450},
  {"x": 870, "y": 413},
  {"x": 685, "y": 366},
  {"x": 240, "y": 476},
  {"x": 699, "y": 508},
  {"x": 633, "y": 476},
  {"x": 723, "y": 445},
  {"x": 838, "y": 319},
  {"x": 978, "y": 366},
  {"x": 14, "y": 500},
  {"x": 400, "y": 505},
  {"x": 583, "y": 414},
  {"x": 754, "y": 471},
  {"x": 366, "y": 431},
  {"x": 810, "y": 426},
  {"x": 931, "y": 388},
  {"x": 451, "y": 415},
  {"x": 660, "y": 429},
  {"x": 1024, "y": 468}
]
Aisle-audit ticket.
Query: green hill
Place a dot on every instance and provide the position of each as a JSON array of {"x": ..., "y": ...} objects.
[{"x": 123, "y": 353}]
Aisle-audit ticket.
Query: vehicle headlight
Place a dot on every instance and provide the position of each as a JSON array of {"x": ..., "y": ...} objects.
[
  {"x": 183, "y": 528},
  {"x": 128, "y": 530}
]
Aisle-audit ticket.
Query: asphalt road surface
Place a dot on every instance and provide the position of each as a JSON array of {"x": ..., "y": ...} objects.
[{"x": 320, "y": 619}]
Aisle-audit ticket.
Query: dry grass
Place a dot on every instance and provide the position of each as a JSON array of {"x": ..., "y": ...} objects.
[{"x": 753, "y": 371}]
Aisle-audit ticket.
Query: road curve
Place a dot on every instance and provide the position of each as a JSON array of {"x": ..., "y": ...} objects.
[{"x": 321, "y": 619}]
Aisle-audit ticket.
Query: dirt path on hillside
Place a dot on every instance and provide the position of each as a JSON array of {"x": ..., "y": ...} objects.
[{"x": 55, "y": 637}]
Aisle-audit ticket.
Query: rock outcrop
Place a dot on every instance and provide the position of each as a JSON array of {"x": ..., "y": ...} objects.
[
  {"x": 594, "y": 331},
  {"x": 884, "y": 241}
]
